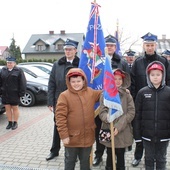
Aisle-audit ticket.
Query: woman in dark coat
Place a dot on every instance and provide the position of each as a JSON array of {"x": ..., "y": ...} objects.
[{"x": 12, "y": 87}]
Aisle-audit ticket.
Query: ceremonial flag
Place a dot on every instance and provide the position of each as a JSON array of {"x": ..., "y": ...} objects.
[
  {"x": 118, "y": 51},
  {"x": 92, "y": 56},
  {"x": 110, "y": 92}
]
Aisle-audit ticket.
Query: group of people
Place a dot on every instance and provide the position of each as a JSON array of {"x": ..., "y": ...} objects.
[{"x": 143, "y": 87}]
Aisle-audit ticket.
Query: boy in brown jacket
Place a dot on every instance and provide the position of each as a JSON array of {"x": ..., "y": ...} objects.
[{"x": 75, "y": 119}]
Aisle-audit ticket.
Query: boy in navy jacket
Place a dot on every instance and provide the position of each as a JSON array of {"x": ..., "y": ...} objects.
[{"x": 152, "y": 119}]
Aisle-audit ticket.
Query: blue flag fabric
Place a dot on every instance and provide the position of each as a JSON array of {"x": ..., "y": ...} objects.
[
  {"x": 110, "y": 93},
  {"x": 92, "y": 56},
  {"x": 118, "y": 51}
]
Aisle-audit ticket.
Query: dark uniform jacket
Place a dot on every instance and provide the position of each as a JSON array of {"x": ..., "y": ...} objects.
[
  {"x": 152, "y": 118},
  {"x": 12, "y": 85},
  {"x": 138, "y": 74},
  {"x": 117, "y": 62},
  {"x": 57, "y": 80}
]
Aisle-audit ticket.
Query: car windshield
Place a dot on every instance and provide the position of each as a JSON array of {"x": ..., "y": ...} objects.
[
  {"x": 46, "y": 69},
  {"x": 34, "y": 70}
]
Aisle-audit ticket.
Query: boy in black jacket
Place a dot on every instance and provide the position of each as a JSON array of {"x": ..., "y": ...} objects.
[{"x": 152, "y": 119}]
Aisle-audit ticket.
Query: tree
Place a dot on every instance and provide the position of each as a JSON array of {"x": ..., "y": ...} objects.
[{"x": 14, "y": 50}]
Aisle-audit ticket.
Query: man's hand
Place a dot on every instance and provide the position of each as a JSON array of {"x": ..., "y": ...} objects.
[{"x": 66, "y": 141}]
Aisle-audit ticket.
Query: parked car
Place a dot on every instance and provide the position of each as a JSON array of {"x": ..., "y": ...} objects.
[
  {"x": 31, "y": 63},
  {"x": 2, "y": 107},
  {"x": 44, "y": 66},
  {"x": 34, "y": 71},
  {"x": 36, "y": 90}
]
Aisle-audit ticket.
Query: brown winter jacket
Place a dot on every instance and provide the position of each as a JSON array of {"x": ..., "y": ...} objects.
[
  {"x": 75, "y": 113},
  {"x": 124, "y": 138}
]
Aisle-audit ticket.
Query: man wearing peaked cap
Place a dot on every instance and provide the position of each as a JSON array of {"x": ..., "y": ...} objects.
[
  {"x": 130, "y": 57},
  {"x": 130, "y": 53},
  {"x": 57, "y": 84},
  {"x": 139, "y": 80},
  {"x": 11, "y": 59},
  {"x": 71, "y": 44},
  {"x": 149, "y": 38},
  {"x": 110, "y": 40},
  {"x": 116, "y": 62}
]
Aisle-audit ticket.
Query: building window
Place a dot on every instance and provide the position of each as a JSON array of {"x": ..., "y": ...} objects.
[
  {"x": 59, "y": 47},
  {"x": 40, "y": 48}
]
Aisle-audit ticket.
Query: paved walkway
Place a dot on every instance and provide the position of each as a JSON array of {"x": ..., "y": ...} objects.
[{"x": 28, "y": 146}]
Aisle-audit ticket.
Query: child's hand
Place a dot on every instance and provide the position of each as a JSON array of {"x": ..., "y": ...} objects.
[
  {"x": 127, "y": 91},
  {"x": 66, "y": 141},
  {"x": 115, "y": 131}
]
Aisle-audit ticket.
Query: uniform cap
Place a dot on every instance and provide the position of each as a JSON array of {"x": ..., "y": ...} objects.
[
  {"x": 166, "y": 53},
  {"x": 11, "y": 59},
  {"x": 149, "y": 38},
  {"x": 110, "y": 40},
  {"x": 71, "y": 44},
  {"x": 155, "y": 66},
  {"x": 130, "y": 53}
]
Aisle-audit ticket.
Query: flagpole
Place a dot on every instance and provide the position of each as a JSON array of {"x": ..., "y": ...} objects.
[
  {"x": 112, "y": 133},
  {"x": 95, "y": 114},
  {"x": 117, "y": 28},
  {"x": 113, "y": 146}
]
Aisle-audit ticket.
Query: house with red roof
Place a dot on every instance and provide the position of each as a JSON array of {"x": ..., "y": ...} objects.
[{"x": 4, "y": 52}]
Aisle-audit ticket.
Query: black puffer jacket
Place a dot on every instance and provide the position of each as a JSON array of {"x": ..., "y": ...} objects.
[
  {"x": 57, "y": 80},
  {"x": 152, "y": 118},
  {"x": 138, "y": 74}
]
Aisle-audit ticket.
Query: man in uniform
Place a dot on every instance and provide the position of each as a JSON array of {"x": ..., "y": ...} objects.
[{"x": 129, "y": 56}]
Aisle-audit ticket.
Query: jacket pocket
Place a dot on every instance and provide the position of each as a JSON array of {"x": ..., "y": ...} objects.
[
  {"x": 90, "y": 136},
  {"x": 74, "y": 136}
]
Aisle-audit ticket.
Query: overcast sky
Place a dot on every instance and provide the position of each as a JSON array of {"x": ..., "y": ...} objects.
[{"x": 22, "y": 18}]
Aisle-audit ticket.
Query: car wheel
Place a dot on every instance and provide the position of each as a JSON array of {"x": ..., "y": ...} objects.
[{"x": 28, "y": 99}]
